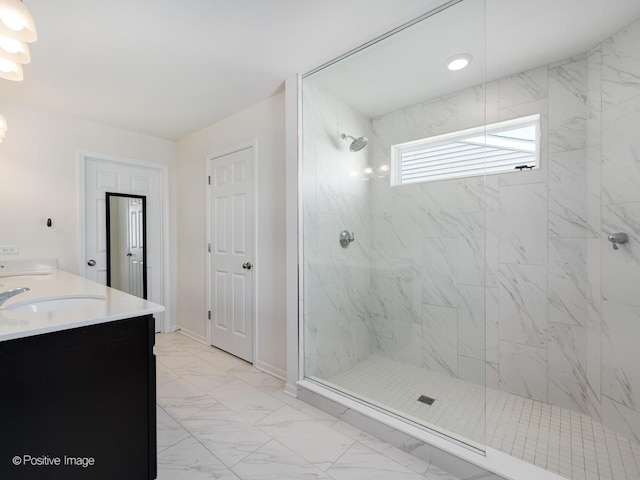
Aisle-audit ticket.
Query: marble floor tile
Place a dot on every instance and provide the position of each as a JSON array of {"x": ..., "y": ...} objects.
[
  {"x": 169, "y": 431},
  {"x": 220, "y": 418},
  {"x": 190, "y": 460},
  {"x": 363, "y": 463},
  {"x": 274, "y": 461},
  {"x": 309, "y": 438}
]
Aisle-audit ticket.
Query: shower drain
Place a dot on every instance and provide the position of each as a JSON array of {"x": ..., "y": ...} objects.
[{"x": 427, "y": 400}]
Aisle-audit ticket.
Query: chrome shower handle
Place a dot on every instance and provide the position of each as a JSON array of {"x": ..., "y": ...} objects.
[
  {"x": 346, "y": 238},
  {"x": 618, "y": 238}
]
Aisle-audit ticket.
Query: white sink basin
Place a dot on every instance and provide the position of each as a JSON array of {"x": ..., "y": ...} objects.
[
  {"x": 25, "y": 274},
  {"x": 55, "y": 304}
]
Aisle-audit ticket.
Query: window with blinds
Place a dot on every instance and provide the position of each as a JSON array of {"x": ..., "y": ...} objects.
[{"x": 509, "y": 146}]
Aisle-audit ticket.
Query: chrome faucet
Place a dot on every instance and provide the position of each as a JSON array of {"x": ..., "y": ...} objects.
[{"x": 4, "y": 296}]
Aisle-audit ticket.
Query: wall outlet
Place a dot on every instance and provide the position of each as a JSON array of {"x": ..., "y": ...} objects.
[{"x": 8, "y": 249}]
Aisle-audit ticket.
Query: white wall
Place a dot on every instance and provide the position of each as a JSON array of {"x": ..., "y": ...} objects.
[
  {"x": 264, "y": 123},
  {"x": 39, "y": 179}
]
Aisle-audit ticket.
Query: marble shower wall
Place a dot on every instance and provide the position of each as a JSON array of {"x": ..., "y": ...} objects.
[
  {"x": 528, "y": 251},
  {"x": 335, "y": 198},
  {"x": 619, "y": 150},
  {"x": 508, "y": 279}
]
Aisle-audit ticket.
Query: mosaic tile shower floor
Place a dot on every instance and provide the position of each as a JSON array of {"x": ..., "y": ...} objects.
[{"x": 560, "y": 440}]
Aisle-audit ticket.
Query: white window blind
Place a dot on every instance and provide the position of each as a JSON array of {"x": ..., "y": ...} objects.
[{"x": 510, "y": 146}]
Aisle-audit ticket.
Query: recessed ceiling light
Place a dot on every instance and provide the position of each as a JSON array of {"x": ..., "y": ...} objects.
[{"x": 458, "y": 62}]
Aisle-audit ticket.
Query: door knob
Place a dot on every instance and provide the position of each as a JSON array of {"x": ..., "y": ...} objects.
[
  {"x": 91, "y": 263},
  {"x": 247, "y": 265}
]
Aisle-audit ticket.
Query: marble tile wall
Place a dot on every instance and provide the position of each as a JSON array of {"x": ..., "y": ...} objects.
[
  {"x": 335, "y": 198},
  {"x": 507, "y": 279},
  {"x": 619, "y": 115}
]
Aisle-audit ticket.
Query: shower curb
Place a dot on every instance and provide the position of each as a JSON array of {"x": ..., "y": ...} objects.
[{"x": 438, "y": 451}]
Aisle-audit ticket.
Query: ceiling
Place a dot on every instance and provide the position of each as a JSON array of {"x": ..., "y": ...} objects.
[
  {"x": 518, "y": 35},
  {"x": 169, "y": 68}
]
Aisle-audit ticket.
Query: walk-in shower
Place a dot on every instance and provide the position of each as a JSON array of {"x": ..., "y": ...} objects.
[{"x": 482, "y": 298}]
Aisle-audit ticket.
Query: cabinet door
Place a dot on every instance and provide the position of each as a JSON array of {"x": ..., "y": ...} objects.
[{"x": 76, "y": 395}]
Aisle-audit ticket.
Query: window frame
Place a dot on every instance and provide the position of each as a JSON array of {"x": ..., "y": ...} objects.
[{"x": 397, "y": 150}]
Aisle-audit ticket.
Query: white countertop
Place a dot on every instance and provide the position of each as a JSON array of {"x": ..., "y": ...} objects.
[{"x": 55, "y": 284}]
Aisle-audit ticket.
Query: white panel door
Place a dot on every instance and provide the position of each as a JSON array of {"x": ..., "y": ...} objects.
[
  {"x": 135, "y": 254},
  {"x": 102, "y": 176},
  {"x": 231, "y": 258}
]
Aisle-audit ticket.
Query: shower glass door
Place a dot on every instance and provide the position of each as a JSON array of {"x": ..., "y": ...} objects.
[{"x": 395, "y": 214}]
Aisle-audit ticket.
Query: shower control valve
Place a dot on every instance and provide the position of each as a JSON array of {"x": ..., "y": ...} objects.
[
  {"x": 346, "y": 238},
  {"x": 618, "y": 238}
]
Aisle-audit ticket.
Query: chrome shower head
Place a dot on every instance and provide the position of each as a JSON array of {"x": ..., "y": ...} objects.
[{"x": 357, "y": 144}]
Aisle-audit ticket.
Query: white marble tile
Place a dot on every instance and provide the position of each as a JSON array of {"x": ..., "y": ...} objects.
[
  {"x": 407, "y": 343},
  {"x": 621, "y": 419},
  {"x": 621, "y": 65},
  {"x": 249, "y": 374},
  {"x": 471, "y": 194},
  {"x": 523, "y": 370},
  {"x": 492, "y": 324},
  {"x": 177, "y": 359},
  {"x": 471, "y": 248},
  {"x": 205, "y": 376},
  {"x": 568, "y": 281},
  {"x": 400, "y": 298},
  {"x": 311, "y": 439},
  {"x": 181, "y": 398},
  {"x": 274, "y": 461},
  {"x": 568, "y": 195},
  {"x": 440, "y": 115},
  {"x": 567, "y": 106},
  {"x": 524, "y": 87},
  {"x": 472, "y": 107},
  {"x": 435, "y": 473},
  {"x": 594, "y": 96},
  {"x": 492, "y": 375},
  {"x": 568, "y": 366},
  {"x": 620, "y": 373},
  {"x": 361, "y": 462},
  {"x": 594, "y": 373},
  {"x": 523, "y": 224},
  {"x": 226, "y": 434},
  {"x": 190, "y": 460},
  {"x": 439, "y": 339},
  {"x": 169, "y": 431},
  {"x": 246, "y": 400},
  {"x": 440, "y": 201},
  {"x": 621, "y": 153},
  {"x": 218, "y": 358},
  {"x": 594, "y": 271},
  {"x": 471, "y": 370},
  {"x": 440, "y": 266},
  {"x": 405, "y": 459},
  {"x": 621, "y": 268},
  {"x": 471, "y": 322},
  {"x": 523, "y": 304}
]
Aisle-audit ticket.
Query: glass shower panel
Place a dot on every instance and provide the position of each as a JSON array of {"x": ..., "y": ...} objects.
[{"x": 394, "y": 276}]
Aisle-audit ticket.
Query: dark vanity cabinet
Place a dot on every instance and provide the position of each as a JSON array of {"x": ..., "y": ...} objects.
[{"x": 80, "y": 403}]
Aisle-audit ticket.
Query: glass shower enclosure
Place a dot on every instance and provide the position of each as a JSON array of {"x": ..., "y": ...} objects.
[
  {"x": 470, "y": 255},
  {"x": 393, "y": 266}
]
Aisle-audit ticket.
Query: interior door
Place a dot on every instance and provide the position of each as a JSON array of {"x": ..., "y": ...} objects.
[
  {"x": 102, "y": 176},
  {"x": 134, "y": 254},
  {"x": 231, "y": 266}
]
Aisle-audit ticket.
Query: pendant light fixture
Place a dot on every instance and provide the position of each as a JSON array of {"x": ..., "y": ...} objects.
[
  {"x": 16, "y": 30},
  {"x": 3, "y": 127}
]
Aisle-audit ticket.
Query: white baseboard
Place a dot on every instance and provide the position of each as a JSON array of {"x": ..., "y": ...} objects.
[
  {"x": 188, "y": 333},
  {"x": 271, "y": 370}
]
